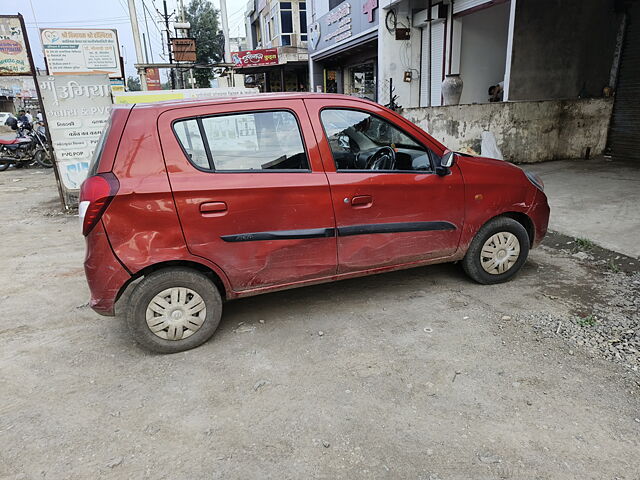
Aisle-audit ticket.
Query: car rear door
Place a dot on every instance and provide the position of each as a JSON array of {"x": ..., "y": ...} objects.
[
  {"x": 250, "y": 190},
  {"x": 388, "y": 217}
]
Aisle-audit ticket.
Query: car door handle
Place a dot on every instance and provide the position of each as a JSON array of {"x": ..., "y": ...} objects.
[
  {"x": 362, "y": 201},
  {"x": 213, "y": 209}
]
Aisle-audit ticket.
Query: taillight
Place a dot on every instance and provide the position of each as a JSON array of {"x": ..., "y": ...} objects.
[{"x": 96, "y": 193}]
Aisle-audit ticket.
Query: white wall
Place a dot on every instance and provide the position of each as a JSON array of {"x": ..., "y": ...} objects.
[
  {"x": 397, "y": 56},
  {"x": 483, "y": 51},
  {"x": 316, "y": 9}
]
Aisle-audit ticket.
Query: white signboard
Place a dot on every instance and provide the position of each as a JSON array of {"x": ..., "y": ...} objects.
[
  {"x": 77, "y": 110},
  {"x": 81, "y": 51}
]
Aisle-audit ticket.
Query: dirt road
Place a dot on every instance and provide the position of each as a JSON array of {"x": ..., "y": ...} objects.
[{"x": 418, "y": 374}]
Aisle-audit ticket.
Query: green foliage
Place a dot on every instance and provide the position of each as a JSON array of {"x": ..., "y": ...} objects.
[
  {"x": 205, "y": 28},
  {"x": 588, "y": 321},
  {"x": 133, "y": 84},
  {"x": 613, "y": 266},
  {"x": 584, "y": 243}
]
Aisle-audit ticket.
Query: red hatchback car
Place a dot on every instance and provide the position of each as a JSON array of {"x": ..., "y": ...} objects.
[{"x": 205, "y": 201}]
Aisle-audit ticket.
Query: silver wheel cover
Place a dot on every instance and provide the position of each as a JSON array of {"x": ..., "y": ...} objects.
[
  {"x": 176, "y": 313},
  {"x": 499, "y": 253}
]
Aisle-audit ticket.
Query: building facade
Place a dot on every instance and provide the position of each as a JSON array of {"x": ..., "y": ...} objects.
[
  {"x": 567, "y": 59},
  {"x": 376, "y": 48},
  {"x": 276, "y": 59},
  {"x": 343, "y": 47}
]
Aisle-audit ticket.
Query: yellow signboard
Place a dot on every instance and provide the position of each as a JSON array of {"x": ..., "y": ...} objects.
[{"x": 149, "y": 98}]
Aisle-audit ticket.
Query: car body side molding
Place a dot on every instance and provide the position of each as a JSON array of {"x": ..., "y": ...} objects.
[
  {"x": 281, "y": 235},
  {"x": 394, "y": 228},
  {"x": 342, "y": 231}
]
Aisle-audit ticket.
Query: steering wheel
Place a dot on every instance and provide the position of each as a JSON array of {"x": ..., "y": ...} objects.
[{"x": 383, "y": 159}]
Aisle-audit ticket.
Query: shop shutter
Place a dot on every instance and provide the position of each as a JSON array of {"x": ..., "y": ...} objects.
[
  {"x": 624, "y": 132},
  {"x": 462, "y": 5},
  {"x": 424, "y": 69},
  {"x": 437, "y": 60}
]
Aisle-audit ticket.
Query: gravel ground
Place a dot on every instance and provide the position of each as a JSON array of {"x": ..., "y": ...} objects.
[
  {"x": 602, "y": 318},
  {"x": 417, "y": 374}
]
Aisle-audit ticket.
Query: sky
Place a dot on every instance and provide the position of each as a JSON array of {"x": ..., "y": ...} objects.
[{"x": 108, "y": 14}]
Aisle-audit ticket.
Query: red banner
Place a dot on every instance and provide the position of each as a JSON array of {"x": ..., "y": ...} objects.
[
  {"x": 255, "y": 58},
  {"x": 153, "y": 79}
]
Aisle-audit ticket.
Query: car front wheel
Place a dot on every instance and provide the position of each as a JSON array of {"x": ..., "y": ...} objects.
[
  {"x": 497, "y": 252},
  {"x": 173, "y": 310}
]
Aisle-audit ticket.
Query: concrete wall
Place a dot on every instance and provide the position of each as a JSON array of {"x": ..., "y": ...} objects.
[
  {"x": 525, "y": 132},
  {"x": 483, "y": 51},
  {"x": 561, "y": 46}
]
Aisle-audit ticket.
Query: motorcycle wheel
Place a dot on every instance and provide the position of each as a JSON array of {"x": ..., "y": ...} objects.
[{"x": 43, "y": 159}]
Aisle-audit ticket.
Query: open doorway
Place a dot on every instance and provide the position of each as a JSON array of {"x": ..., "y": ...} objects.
[{"x": 483, "y": 51}]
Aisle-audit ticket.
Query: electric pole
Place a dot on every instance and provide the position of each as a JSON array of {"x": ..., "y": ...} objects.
[
  {"x": 225, "y": 31},
  {"x": 136, "y": 42},
  {"x": 166, "y": 23},
  {"x": 185, "y": 28}
]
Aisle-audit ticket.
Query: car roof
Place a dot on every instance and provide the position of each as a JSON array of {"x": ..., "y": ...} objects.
[{"x": 194, "y": 102}]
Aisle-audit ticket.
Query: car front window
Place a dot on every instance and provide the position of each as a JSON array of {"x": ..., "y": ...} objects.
[{"x": 356, "y": 138}]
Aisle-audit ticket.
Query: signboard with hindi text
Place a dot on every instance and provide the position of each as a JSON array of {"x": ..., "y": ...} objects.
[
  {"x": 81, "y": 51},
  {"x": 78, "y": 109},
  {"x": 255, "y": 58},
  {"x": 14, "y": 59}
]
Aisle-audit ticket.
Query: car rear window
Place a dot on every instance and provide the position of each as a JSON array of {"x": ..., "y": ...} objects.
[
  {"x": 247, "y": 141},
  {"x": 97, "y": 153}
]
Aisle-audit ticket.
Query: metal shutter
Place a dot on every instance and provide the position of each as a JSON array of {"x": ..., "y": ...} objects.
[
  {"x": 437, "y": 59},
  {"x": 462, "y": 5},
  {"x": 624, "y": 132},
  {"x": 424, "y": 68}
]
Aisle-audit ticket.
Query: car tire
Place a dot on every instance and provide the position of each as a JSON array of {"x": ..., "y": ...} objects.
[
  {"x": 497, "y": 252},
  {"x": 162, "y": 314}
]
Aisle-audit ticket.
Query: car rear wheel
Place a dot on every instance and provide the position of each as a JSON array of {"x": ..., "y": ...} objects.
[
  {"x": 173, "y": 310},
  {"x": 497, "y": 252}
]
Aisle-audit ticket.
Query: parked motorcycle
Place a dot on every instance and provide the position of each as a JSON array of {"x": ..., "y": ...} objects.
[{"x": 28, "y": 148}]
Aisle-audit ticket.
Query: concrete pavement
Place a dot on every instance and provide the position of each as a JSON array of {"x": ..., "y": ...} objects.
[{"x": 595, "y": 199}]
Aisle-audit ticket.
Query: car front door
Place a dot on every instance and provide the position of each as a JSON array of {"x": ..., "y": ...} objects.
[
  {"x": 250, "y": 190},
  {"x": 390, "y": 206}
]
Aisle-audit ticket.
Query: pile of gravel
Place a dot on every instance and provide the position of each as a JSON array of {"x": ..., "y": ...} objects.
[{"x": 611, "y": 331}]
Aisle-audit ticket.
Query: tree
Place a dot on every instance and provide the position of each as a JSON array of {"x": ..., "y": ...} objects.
[
  {"x": 133, "y": 84},
  {"x": 205, "y": 28}
]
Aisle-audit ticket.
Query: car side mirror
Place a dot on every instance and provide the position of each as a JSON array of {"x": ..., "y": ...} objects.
[{"x": 446, "y": 162}]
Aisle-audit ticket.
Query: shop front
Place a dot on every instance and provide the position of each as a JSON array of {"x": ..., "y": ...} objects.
[
  {"x": 278, "y": 69},
  {"x": 343, "y": 50}
]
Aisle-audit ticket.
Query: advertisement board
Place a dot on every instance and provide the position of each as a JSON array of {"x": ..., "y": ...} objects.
[
  {"x": 14, "y": 59},
  {"x": 255, "y": 58},
  {"x": 153, "y": 79},
  {"x": 81, "y": 51},
  {"x": 181, "y": 94},
  {"x": 77, "y": 109},
  {"x": 345, "y": 21}
]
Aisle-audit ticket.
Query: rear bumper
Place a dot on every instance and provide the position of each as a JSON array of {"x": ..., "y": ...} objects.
[
  {"x": 105, "y": 275},
  {"x": 539, "y": 214}
]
